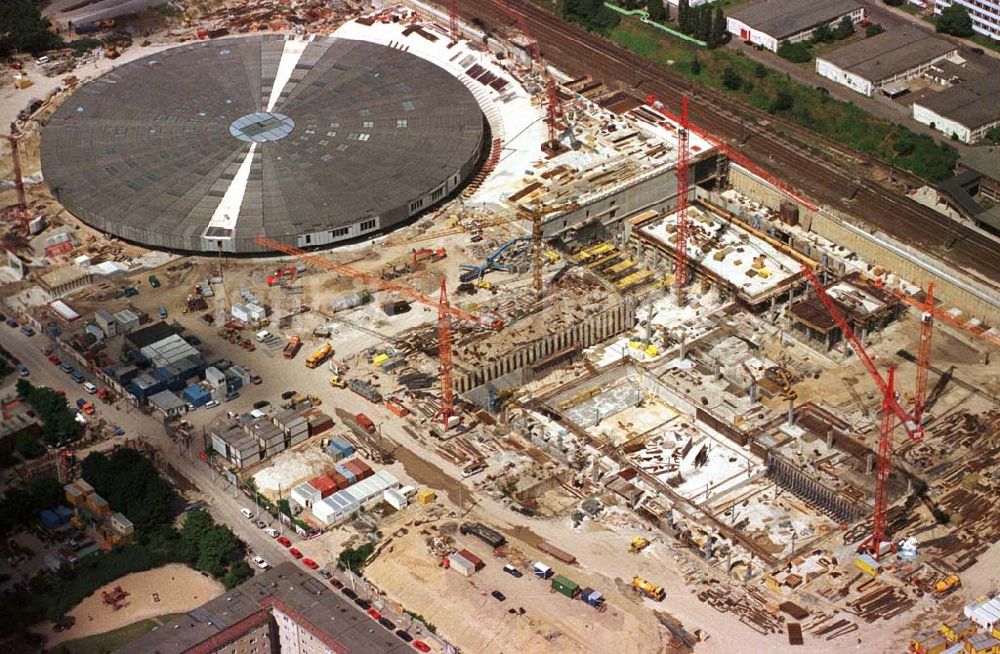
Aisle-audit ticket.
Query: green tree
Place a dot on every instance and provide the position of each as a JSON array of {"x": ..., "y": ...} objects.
[
  {"x": 592, "y": 14},
  {"x": 993, "y": 135},
  {"x": 823, "y": 33},
  {"x": 131, "y": 485},
  {"x": 355, "y": 559},
  {"x": 684, "y": 17},
  {"x": 59, "y": 425},
  {"x": 22, "y": 29},
  {"x": 873, "y": 29},
  {"x": 237, "y": 574},
  {"x": 704, "y": 17},
  {"x": 696, "y": 66},
  {"x": 760, "y": 71},
  {"x": 955, "y": 20},
  {"x": 719, "y": 27},
  {"x": 731, "y": 79},
  {"x": 894, "y": 3},
  {"x": 845, "y": 28},
  {"x": 658, "y": 11},
  {"x": 798, "y": 53},
  {"x": 783, "y": 101}
]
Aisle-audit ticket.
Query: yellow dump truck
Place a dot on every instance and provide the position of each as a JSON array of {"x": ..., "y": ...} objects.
[
  {"x": 647, "y": 589},
  {"x": 324, "y": 352}
]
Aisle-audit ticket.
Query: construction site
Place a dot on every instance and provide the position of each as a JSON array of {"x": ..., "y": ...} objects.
[{"x": 559, "y": 307}]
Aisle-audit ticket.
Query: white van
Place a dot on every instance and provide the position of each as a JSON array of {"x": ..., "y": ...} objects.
[
  {"x": 90, "y": 388},
  {"x": 247, "y": 513},
  {"x": 262, "y": 335},
  {"x": 42, "y": 60}
]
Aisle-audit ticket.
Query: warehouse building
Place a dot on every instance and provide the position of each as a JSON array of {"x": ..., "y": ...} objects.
[
  {"x": 966, "y": 111},
  {"x": 885, "y": 62},
  {"x": 770, "y": 22}
]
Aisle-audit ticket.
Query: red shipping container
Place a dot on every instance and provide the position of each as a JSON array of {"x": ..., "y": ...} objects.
[
  {"x": 359, "y": 468},
  {"x": 472, "y": 558},
  {"x": 340, "y": 480},
  {"x": 324, "y": 485},
  {"x": 365, "y": 423}
]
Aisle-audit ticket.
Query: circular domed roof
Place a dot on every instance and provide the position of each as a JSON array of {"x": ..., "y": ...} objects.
[{"x": 309, "y": 142}]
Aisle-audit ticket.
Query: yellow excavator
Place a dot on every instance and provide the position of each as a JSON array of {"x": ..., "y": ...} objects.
[{"x": 638, "y": 544}]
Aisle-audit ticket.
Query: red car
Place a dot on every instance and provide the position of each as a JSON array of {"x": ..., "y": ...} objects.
[
  {"x": 375, "y": 615},
  {"x": 284, "y": 541},
  {"x": 295, "y": 553},
  {"x": 309, "y": 563},
  {"x": 54, "y": 360},
  {"x": 421, "y": 646},
  {"x": 336, "y": 583}
]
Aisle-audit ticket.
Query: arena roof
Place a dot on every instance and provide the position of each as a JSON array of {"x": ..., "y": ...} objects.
[{"x": 310, "y": 142}]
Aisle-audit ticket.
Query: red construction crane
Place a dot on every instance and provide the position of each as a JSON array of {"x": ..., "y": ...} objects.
[
  {"x": 453, "y": 21},
  {"x": 890, "y": 412},
  {"x": 445, "y": 311},
  {"x": 553, "y": 110},
  {"x": 733, "y": 154},
  {"x": 22, "y": 199},
  {"x": 444, "y": 354},
  {"x": 914, "y": 429},
  {"x": 883, "y": 465},
  {"x": 924, "y": 355},
  {"x": 680, "y": 236}
]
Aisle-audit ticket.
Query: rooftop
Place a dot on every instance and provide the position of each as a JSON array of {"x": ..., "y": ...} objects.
[
  {"x": 784, "y": 18},
  {"x": 889, "y": 54},
  {"x": 286, "y": 589},
  {"x": 972, "y": 103},
  {"x": 154, "y": 333}
]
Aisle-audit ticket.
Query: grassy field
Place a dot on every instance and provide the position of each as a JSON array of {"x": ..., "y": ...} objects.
[
  {"x": 112, "y": 640},
  {"x": 771, "y": 91}
]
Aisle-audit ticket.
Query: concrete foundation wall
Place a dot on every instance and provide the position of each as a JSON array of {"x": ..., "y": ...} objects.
[
  {"x": 951, "y": 287},
  {"x": 599, "y": 327}
]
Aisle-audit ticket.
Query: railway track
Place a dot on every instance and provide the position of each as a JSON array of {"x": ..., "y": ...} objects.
[{"x": 818, "y": 167}]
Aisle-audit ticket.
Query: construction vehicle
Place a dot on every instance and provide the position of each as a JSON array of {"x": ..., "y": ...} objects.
[
  {"x": 482, "y": 283},
  {"x": 493, "y": 262},
  {"x": 647, "y": 589},
  {"x": 394, "y": 405},
  {"x": 946, "y": 586},
  {"x": 638, "y": 544},
  {"x": 436, "y": 254},
  {"x": 492, "y": 538},
  {"x": 287, "y": 274},
  {"x": 324, "y": 352},
  {"x": 337, "y": 382},
  {"x": 292, "y": 347}
]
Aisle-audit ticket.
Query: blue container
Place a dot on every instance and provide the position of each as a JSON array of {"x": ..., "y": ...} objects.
[
  {"x": 50, "y": 520},
  {"x": 347, "y": 473},
  {"x": 345, "y": 448},
  {"x": 64, "y": 513}
]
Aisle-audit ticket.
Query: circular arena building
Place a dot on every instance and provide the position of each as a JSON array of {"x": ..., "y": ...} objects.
[{"x": 310, "y": 142}]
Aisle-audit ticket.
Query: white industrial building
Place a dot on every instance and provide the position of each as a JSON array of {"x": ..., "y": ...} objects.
[
  {"x": 769, "y": 23},
  {"x": 366, "y": 493},
  {"x": 966, "y": 111},
  {"x": 985, "y": 14},
  {"x": 886, "y": 61}
]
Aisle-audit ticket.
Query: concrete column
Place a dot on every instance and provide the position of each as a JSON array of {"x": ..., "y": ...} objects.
[
  {"x": 829, "y": 437},
  {"x": 868, "y": 463}
]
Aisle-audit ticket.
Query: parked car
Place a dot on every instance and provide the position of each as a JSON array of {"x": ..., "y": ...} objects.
[
  {"x": 512, "y": 571},
  {"x": 336, "y": 583},
  {"x": 90, "y": 388},
  {"x": 387, "y": 623},
  {"x": 375, "y": 615},
  {"x": 404, "y": 635},
  {"x": 261, "y": 563},
  {"x": 85, "y": 407},
  {"x": 498, "y": 596},
  {"x": 23, "y": 371},
  {"x": 154, "y": 282},
  {"x": 284, "y": 542},
  {"x": 349, "y": 593},
  {"x": 11, "y": 322},
  {"x": 211, "y": 404},
  {"x": 325, "y": 574},
  {"x": 261, "y": 404},
  {"x": 272, "y": 532},
  {"x": 27, "y": 330},
  {"x": 163, "y": 313},
  {"x": 260, "y": 524},
  {"x": 295, "y": 553},
  {"x": 54, "y": 360},
  {"x": 421, "y": 646},
  {"x": 309, "y": 563},
  {"x": 117, "y": 431},
  {"x": 363, "y": 603},
  {"x": 247, "y": 513},
  {"x": 78, "y": 377}
]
